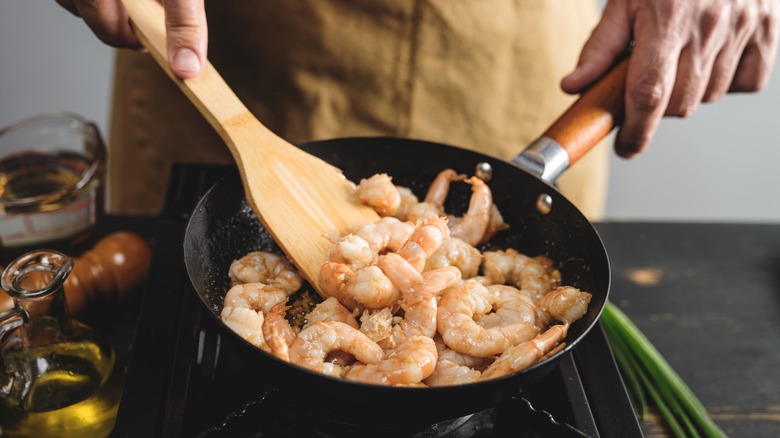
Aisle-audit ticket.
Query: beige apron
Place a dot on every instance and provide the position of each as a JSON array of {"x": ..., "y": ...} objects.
[{"x": 480, "y": 74}]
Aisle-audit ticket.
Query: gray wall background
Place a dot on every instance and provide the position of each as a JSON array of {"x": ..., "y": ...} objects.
[{"x": 721, "y": 164}]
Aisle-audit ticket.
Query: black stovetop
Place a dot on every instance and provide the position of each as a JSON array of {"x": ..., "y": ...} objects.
[{"x": 183, "y": 381}]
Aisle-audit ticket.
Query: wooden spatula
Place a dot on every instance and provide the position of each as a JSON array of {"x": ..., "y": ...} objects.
[{"x": 297, "y": 196}]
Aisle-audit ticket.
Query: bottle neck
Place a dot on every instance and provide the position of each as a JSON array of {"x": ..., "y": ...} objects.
[
  {"x": 35, "y": 282},
  {"x": 40, "y": 314},
  {"x": 47, "y": 316}
]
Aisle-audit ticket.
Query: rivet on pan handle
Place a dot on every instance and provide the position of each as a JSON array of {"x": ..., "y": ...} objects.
[{"x": 581, "y": 127}]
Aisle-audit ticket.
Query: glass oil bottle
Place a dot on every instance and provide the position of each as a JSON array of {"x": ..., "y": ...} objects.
[{"x": 58, "y": 377}]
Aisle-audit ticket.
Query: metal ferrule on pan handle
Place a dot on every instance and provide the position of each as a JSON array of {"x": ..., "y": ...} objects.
[{"x": 544, "y": 158}]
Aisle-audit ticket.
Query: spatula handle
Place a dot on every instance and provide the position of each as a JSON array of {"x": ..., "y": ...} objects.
[{"x": 208, "y": 91}]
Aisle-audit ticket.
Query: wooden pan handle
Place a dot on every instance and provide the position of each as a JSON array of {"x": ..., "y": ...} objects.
[{"x": 588, "y": 120}]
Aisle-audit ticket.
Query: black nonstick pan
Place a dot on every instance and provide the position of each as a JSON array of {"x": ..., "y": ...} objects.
[{"x": 223, "y": 228}]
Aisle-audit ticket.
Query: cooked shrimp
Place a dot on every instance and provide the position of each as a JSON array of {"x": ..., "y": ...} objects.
[
  {"x": 424, "y": 241},
  {"x": 511, "y": 306},
  {"x": 472, "y": 226},
  {"x": 259, "y": 297},
  {"x": 277, "y": 332},
  {"x": 408, "y": 201},
  {"x": 352, "y": 251},
  {"x": 526, "y": 273},
  {"x": 368, "y": 287},
  {"x": 449, "y": 373},
  {"x": 409, "y": 363},
  {"x": 495, "y": 224},
  {"x": 388, "y": 233},
  {"x": 458, "y": 307},
  {"x": 379, "y": 193},
  {"x": 418, "y": 294},
  {"x": 421, "y": 210},
  {"x": 246, "y": 323},
  {"x": 433, "y": 204},
  {"x": 313, "y": 344},
  {"x": 330, "y": 310},
  {"x": 484, "y": 280},
  {"x": 455, "y": 252},
  {"x": 440, "y": 187},
  {"x": 564, "y": 304},
  {"x": 524, "y": 355},
  {"x": 455, "y": 368},
  {"x": 268, "y": 268},
  {"x": 477, "y": 363}
]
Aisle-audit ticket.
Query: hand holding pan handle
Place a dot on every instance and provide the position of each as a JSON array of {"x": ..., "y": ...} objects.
[{"x": 586, "y": 122}]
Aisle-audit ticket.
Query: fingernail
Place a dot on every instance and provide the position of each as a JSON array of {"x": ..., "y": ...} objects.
[{"x": 186, "y": 61}]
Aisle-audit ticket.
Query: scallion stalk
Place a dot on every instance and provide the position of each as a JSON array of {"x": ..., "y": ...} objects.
[{"x": 643, "y": 364}]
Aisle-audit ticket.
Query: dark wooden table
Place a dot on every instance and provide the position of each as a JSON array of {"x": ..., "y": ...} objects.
[{"x": 708, "y": 297}]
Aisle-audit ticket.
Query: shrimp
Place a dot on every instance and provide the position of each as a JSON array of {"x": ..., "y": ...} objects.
[
  {"x": 418, "y": 294},
  {"x": 565, "y": 304},
  {"x": 368, "y": 287},
  {"x": 268, "y": 268},
  {"x": 449, "y": 373},
  {"x": 473, "y": 225},
  {"x": 388, "y": 233},
  {"x": 246, "y": 323},
  {"x": 310, "y": 349},
  {"x": 379, "y": 193},
  {"x": 511, "y": 306},
  {"x": 331, "y": 310},
  {"x": 277, "y": 332},
  {"x": 433, "y": 204},
  {"x": 421, "y": 210},
  {"x": 495, "y": 225},
  {"x": 458, "y": 307},
  {"x": 477, "y": 363},
  {"x": 245, "y": 306},
  {"x": 424, "y": 241},
  {"x": 455, "y": 368},
  {"x": 352, "y": 251},
  {"x": 408, "y": 202},
  {"x": 259, "y": 297},
  {"x": 410, "y": 363},
  {"x": 524, "y": 355},
  {"x": 526, "y": 273},
  {"x": 440, "y": 187},
  {"x": 455, "y": 252}
]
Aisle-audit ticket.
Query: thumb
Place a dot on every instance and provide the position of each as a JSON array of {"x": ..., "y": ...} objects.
[
  {"x": 185, "y": 22},
  {"x": 608, "y": 41}
]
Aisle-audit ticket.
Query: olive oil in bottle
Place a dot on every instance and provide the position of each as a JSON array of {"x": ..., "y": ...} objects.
[{"x": 58, "y": 377}]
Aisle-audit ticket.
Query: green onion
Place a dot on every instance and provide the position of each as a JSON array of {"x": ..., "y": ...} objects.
[{"x": 648, "y": 373}]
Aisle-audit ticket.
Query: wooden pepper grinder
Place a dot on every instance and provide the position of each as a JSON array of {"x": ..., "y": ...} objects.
[{"x": 108, "y": 274}]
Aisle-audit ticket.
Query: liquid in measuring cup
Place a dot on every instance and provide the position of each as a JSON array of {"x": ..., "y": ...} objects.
[
  {"x": 51, "y": 185},
  {"x": 42, "y": 173}
]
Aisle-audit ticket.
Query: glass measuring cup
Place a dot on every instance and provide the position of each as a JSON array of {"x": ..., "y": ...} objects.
[{"x": 51, "y": 183}]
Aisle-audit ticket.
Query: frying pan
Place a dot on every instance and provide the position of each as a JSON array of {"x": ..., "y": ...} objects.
[{"x": 223, "y": 228}]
